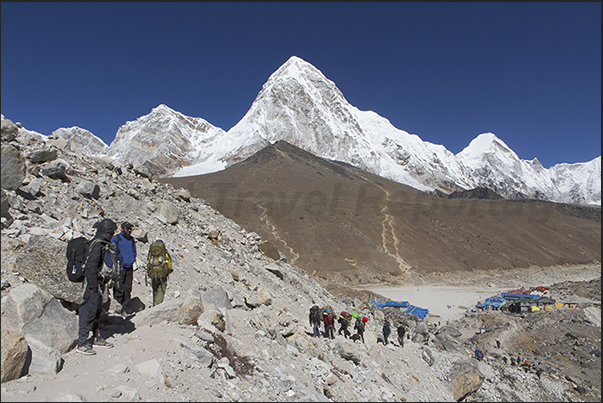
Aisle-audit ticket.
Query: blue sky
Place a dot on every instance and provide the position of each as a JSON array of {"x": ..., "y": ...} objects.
[{"x": 528, "y": 72}]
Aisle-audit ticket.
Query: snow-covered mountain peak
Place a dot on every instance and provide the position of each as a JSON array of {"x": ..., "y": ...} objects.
[
  {"x": 295, "y": 67},
  {"x": 483, "y": 144},
  {"x": 165, "y": 137}
]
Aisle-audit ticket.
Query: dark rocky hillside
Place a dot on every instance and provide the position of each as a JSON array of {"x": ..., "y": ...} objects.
[{"x": 346, "y": 226}]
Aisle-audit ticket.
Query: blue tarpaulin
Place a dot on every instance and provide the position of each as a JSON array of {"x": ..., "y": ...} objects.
[
  {"x": 411, "y": 309},
  {"x": 397, "y": 304},
  {"x": 419, "y": 312},
  {"x": 508, "y": 295},
  {"x": 495, "y": 302}
]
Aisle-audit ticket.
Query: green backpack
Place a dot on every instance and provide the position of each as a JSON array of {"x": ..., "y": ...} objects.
[{"x": 159, "y": 262}]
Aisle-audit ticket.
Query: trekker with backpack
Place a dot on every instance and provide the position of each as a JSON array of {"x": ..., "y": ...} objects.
[
  {"x": 359, "y": 327},
  {"x": 91, "y": 307},
  {"x": 401, "y": 332},
  {"x": 314, "y": 319},
  {"x": 126, "y": 254},
  {"x": 159, "y": 267},
  {"x": 386, "y": 331},
  {"x": 327, "y": 319},
  {"x": 344, "y": 323}
]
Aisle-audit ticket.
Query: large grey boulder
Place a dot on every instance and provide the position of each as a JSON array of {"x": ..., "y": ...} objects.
[
  {"x": 56, "y": 169},
  {"x": 13, "y": 167},
  {"x": 465, "y": 378},
  {"x": 168, "y": 212},
  {"x": 44, "y": 359},
  {"x": 43, "y": 155},
  {"x": 88, "y": 189},
  {"x": 450, "y": 331},
  {"x": 37, "y": 314},
  {"x": 9, "y": 130},
  {"x": 43, "y": 261},
  {"x": 184, "y": 310},
  {"x": 217, "y": 298}
]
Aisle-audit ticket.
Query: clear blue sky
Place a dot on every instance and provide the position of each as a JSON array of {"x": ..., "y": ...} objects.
[{"x": 528, "y": 72}]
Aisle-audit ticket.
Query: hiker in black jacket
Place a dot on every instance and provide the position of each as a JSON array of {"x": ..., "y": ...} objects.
[
  {"x": 386, "y": 331},
  {"x": 344, "y": 322},
  {"x": 315, "y": 320},
  {"x": 401, "y": 332},
  {"x": 90, "y": 309}
]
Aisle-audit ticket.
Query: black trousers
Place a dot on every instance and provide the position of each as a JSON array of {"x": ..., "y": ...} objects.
[
  {"x": 89, "y": 314},
  {"x": 346, "y": 332},
  {"x": 122, "y": 291}
]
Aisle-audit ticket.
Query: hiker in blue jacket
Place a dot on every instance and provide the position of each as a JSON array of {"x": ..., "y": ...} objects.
[{"x": 126, "y": 255}]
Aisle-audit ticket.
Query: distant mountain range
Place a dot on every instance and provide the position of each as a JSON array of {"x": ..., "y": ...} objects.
[{"x": 298, "y": 104}]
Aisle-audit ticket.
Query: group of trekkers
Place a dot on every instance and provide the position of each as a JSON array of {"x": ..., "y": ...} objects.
[{"x": 327, "y": 316}]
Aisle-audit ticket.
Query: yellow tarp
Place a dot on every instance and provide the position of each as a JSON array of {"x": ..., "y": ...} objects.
[
  {"x": 534, "y": 308},
  {"x": 558, "y": 304}
]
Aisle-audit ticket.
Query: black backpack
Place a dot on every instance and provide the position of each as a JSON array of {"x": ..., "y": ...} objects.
[{"x": 77, "y": 254}]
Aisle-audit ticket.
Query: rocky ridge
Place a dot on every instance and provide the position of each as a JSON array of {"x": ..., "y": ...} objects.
[{"x": 234, "y": 323}]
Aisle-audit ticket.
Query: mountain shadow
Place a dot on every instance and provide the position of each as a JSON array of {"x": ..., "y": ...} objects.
[{"x": 345, "y": 226}]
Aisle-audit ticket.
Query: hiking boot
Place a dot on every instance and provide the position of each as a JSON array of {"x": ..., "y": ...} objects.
[
  {"x": 85, "y": 349},
  {"x": 100, "y": 342}
]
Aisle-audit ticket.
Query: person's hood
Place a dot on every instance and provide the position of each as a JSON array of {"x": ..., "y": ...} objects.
[{"x": 105, "y": 230}]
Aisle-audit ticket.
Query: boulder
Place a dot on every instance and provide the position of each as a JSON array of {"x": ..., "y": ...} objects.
[
  {"x": 183, "y": 194},
  {"x": 13, "y": 167},
  {"x": 88, "y": 189},
  {"x": 42, "y": 261},
  {"x": 56, "y": 169},
  {"x": 42, "y": 155},
  {"x": 14, "y": 355},
  {"x": 168, "y": 212},
  {"x": 465, "y": 378},
  {"x": 9, "y": 130},
  {"x": 185, "y": 311},
  {"x": 216, "y": 297},
  {"x": 44, "y": 359},
  {"x": 37, "y": 314},
  {"x": 428, "y": 356}
]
